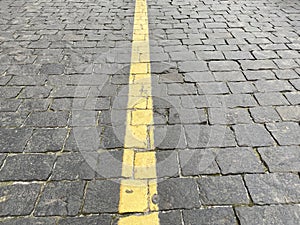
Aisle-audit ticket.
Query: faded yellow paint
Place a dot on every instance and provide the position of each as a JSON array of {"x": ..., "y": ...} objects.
[{"x": 139, "y": 187}]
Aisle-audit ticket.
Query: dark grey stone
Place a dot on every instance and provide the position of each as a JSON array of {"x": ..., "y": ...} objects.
[
  {"x": 222, "y": 190},
  {"x": 27, "y": 167},
  {"x": 36, "y": 92},
  {"x": 238, "y": 160},
  {"x": 47, "y": 119},
  {"x": 91, "y": 220},
  {"x": 269, "y": 215},
  {"x": 281, "y": 158},
  {"x": 60, "y": 199},
  {"x": 18, "y": 199},
  {"x": 273, "y": 188},
  {"x": 12, "y": 119},
  {"x": 212, "y": 88},
  {"x": 9, "y": 92},
  {"x": 52, "y": 69},
  {"x": 253, "y": 135},
  {"x": 72, "y": 166},
  {"x": 14, "y": 140},
  {"x": 209, "y": 216},
  {"x": 167, "y": 164},
  {"x": 187, "y": 116},
  {"x": 198, "y": 76},
  {"x": 286, "y": 133},
  {"x": 102, "y": 196},
  {"x": 29, "y": 221},
  {"x": 44, "y": 140},
  {"x": 177, "y": 193},
  {"x": 192, "y": 66},
  {"x": 9, "y": 105},
  {"x": 170, "y": 217},
  {"x": 198, "y": 161},
  {"x": 209, "y": 136},
  {"x": 228, "y": 116}
]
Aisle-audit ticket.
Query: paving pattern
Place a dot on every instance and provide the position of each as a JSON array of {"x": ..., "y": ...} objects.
[{"x": 226, "y": 109}]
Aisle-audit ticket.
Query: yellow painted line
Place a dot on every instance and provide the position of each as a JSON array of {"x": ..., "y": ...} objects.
[{"x": 139, "y": 184}]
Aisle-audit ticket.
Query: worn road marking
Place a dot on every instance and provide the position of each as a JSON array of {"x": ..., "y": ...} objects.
[{"x": 139, "y": 185}]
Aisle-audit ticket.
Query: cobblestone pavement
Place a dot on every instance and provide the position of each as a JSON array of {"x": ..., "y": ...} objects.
[{"x": 225, "y": 86}]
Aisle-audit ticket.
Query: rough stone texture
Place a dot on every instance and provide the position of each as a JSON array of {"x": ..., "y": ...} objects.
[
  {"x": 281, "y": 158},
  {"x": 92, "y": 220},
  {"x": 18, "y": 199},
  {"x": 273, "y": 188},
  {"x": 238, "y": 160},
  {"x": 170, "y": 217},
  {"x": 27, "y": 167},
  {"x": 60, "y": 198},
  {"x": 253, "y": 135},
  {"x": 102, "y": 196},
  {"x": 222, "y": 190},
  {"x": 289, "y": 113},
  {"x": 268, "y": 215},
  {"x": 224, "y": 216},
  {"x": 29, "y": 221},
  {"x": 14, "y": 140},
  {"x": 178, "y": 193},
  {"x": 196, "y": 162},
  {"x": 286, "y": 133}
]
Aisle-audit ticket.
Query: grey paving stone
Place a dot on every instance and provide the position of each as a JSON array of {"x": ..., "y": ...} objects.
[
  {"x": 9, "y": 105},
  {"x": 265, "y": 54},
  {"x": 103, "y": 219},
  {"x": 264, "y": 114},
  {"x": 229, "y": 76},
  {"x": 27, "y": 167},
  {"x": 192, "y": 66},
  {"x": 102, "y": 196},
  {"x": 286, "y": 63},
  {"x": 212, "y": 88},
  {"x": 209, "y": 136},
  {"x": 4, "y": 80},
  {"x": 60, "y": 199},
  {"x": 171, "y": 78},
  {"x": 83, "y": 118},
  {"x": 205, "y": 76},
  {"x": 72, "y": 166},
  {"x": 241, "y": 87},
  {"x": 239, "y": 100},
  {"x": 259, "y": 75},
  {"x": 14, "y": 140},
  {"x": 296, "y": 83},
  {"x": 268, "y": 215},
  {"x": 289, "y": 113},
  {"x": 238, "y": 160},
  {"x": 228, "y": 116},
  {"x": 18, "y": 199},
  {"x": 257, "y": 64},
  {"x": 293, "y": 97},
  {"x": 187, "y": 116},
  {"x": 182, "y": 89},
  {"x": 281, "y": 158},
  {"x": 29, "y": 221},
  {"x": 166, "y": 164},
  {"x": 210, "y": 216},
  {"x": 198, "y": 161},
  {"x": 44, "y": 140},
  {"x": 286, "y": 133},
  {"x": 224, "y": 65},
  {"x": 70, "y": 92},
  {"x": 9, "y": 92},
  {"x": 289, "y": 54},
  {"x": 47, "y": 119},
  {"x": 182, "y": 56},
  {"x": 36, "y": 92},
  {"x": 111, "y": 136},
  {"x": 238, "y": 55},
  {"x": 2, "y": 158},
  {"x": 286, "y": 74},
  {"x": 34, "y": 105},
  {"x": 109, "y": 163},
  {"x": 12, "y": 119},
  {"x": 222, "y": 190},
  {"x": 178, "y": 193},
  {"x": 52, "y": 69},
  {"x": 209, "y": 55},
  {"x": 169, "y": 136},
  {"x": 273, "y": 188},
  {"x": 27, "y": 80},
  {"x": 271, "y": 99},
  {"x": 253, "y": 135},
  {"x": 170, "y": 217},
  {"x": 273, "y": 86}
]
